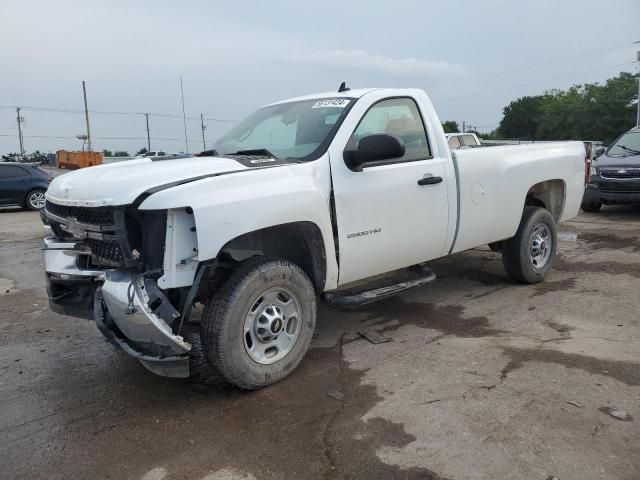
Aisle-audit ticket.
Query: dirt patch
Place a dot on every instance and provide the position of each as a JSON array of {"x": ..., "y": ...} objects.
[
  {"x": 562, "y": 264},
  {"x": 448, "y": 319},
  {"x": 553, "y": 286},
  {"x": 608, "y": 240},
  {"x": 626, "y": 372}
]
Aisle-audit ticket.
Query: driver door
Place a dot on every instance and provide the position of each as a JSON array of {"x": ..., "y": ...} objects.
[{"x": 387, "y": 219}]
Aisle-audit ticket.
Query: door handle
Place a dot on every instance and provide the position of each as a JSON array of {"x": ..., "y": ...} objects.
[{"x": 429, "y": 180}]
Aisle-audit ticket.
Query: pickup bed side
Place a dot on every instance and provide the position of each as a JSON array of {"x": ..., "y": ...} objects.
[{"x": 496, "y": 183}]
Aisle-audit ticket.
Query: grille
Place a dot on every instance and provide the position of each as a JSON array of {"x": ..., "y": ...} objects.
[
  {"x": 620, "y": 172},
  {"x": 91, "y": 216},
  {"x": 105, "y": 252}
]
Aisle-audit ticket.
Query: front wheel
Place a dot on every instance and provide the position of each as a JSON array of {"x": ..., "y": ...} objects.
[
  {"x": 35, "y": 200},
  {"x": 530, "y": 253},
  {"x": 259, "y": 324},
  {"x": 591, "y": 207}
]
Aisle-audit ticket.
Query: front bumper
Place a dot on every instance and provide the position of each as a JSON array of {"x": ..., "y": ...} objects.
[
  {"x": 612, "y": 192},
  {"x": 127, "y": 308}
]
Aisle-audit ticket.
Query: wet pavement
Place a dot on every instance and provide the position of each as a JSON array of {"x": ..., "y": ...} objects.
[{"x": 482, "y": 379}]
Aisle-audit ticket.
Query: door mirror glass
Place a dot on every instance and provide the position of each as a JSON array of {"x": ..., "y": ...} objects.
[
  {"x": 599, "y": 151},
  {"x": 372, "y": 148}
]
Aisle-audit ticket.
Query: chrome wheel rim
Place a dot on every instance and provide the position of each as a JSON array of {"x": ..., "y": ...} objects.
[
  {"x": 37, "y": 200},
  {"x": 540, "y": 246},
  {"x": 272, "y": 325}
]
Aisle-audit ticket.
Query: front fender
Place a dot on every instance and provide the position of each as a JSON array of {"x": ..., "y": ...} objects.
[{"x": 228, "y": 206}]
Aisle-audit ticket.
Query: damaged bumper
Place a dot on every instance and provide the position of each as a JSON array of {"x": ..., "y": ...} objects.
[{"x": 129, "y": 309}]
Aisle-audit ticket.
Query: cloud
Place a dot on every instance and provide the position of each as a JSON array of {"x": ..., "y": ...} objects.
[{"x": 362, "y": 60}]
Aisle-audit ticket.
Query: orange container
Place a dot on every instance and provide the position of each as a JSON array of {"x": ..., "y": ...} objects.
[{"x": 74, "y": 160}]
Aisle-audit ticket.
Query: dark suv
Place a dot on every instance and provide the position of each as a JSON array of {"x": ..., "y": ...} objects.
[
  {"x": 615, "y": 174},
  {"x": 23, "y": 184}
]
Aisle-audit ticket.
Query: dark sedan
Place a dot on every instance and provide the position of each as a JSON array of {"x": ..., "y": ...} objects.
[
  {"x": 615, "y": 174},
  {"x": 23, "y": 184}
]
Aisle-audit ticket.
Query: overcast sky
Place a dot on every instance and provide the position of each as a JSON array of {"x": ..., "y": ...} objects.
[{"x": 237, "y": 55}]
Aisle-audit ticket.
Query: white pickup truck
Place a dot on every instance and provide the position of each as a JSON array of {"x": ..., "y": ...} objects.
[{"x": 306, "y": 198}]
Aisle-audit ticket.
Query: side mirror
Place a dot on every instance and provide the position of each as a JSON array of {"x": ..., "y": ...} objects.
[
  {"x": 599, "y": 151},
  {"x": 373, "y": 148}
]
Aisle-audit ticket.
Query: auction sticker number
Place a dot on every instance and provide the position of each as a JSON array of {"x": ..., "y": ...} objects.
[{"x": 331, "y": 102}]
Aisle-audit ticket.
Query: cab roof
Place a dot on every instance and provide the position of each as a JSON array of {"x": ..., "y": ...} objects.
[{"x": 355, "y": 93}]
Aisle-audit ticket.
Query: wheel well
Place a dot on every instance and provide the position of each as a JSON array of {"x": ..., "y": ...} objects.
[
  {"x": 298, "y": 242},
  {"x": 549, "y": 194}
]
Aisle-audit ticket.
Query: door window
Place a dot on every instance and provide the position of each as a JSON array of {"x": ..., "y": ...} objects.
[
  {"x": 399, "y": 117},
  {"x": 11, "y": 171}
]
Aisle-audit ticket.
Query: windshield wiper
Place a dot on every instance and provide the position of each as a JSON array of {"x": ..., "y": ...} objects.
[
  {"x": 630, "y": 150},
  {"x": 258, "y": 152}
]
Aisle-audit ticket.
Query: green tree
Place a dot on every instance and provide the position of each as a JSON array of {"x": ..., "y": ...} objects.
[
  {"x": 450, "y": 126},
  {"x": 142, "y": 151},
  {"x": 120, "y": 153},
  {"x": 521, "y": 118},
  {"x": 582, "y": 112},
  {"x": 107, "y": 153}
]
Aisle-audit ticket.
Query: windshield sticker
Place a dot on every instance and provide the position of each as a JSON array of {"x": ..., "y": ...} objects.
[{"x": 331, "y": 102}]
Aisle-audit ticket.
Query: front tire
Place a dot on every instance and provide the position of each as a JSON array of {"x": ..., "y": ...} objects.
[
  {"x": 591, "y": 207},
  {"x": 530, "y": 253},
  {"x": 35, "y": 200},
  {"x": 259, "y": 324}
]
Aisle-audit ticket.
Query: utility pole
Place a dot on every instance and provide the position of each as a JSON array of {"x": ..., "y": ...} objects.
[
  {"x": 20, "y": 120},
  {"x": 464, "y": 127},
  {"x": 148, "y": 136},
  {"x": 203, "y": 126},
  {"x": 86, "y": 115},
  {"x": 184, "y": 118},
  {"x": 638, "y": 114}
]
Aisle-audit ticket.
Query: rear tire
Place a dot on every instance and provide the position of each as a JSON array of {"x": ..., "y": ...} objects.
[
  {"x": 591, "y": 207},
  {"x": 530, "y": 253},
  {"x": 257, "y": 327},
  {"x": 35, "y": 200}
]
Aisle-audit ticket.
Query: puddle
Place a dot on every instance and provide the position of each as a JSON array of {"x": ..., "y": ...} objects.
[{"x": 626, "y": 372}]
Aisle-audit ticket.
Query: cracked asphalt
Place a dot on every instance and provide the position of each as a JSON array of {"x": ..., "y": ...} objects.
[{"x": 482, "y": 379}]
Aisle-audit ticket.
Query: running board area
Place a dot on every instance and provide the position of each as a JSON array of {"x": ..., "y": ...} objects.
[{"x": 359, "y": 296}]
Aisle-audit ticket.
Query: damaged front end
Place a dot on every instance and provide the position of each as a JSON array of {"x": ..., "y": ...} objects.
[{"x": 100, "y": 266}]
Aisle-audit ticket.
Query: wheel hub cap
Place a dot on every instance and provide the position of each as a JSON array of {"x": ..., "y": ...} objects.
[
  {"x": 38, "y": 200},
  {"x": 272, "y": 325},
  {"x": 268, "y": 324},
  {"x": 540, "y": 246}
]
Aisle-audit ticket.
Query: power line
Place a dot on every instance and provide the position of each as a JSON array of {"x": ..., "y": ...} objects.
[
  {"x": 103, "y": 112},
  {"x": 73, "y": 137}
]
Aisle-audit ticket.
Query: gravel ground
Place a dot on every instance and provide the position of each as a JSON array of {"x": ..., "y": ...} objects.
[{"x": 482, "y": 379}]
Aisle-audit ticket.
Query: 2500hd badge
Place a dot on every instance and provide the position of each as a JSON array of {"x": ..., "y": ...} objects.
[{"x": 364, "y": 233}]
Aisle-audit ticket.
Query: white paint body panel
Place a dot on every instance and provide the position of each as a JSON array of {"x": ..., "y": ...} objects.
[
  {"x": 408, "y": 223},
  {"x": 228, "y": 206},
  {"x": 494, "y": 183},
  {"x": 122, "y": 182}
]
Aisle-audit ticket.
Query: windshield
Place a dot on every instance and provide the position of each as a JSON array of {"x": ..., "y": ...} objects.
[
  {"x": 628, "y": 144},
  {"x": 295, "y": 130}
]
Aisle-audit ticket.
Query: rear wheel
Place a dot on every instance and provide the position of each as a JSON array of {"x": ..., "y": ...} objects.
[
  {"x": 258, "y": 325},
  {"x": 530, "y": 253},
  {"x": 35, "y": 200}
]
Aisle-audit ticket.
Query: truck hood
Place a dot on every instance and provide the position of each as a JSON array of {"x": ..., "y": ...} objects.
[
  {"x": 122, "y": 182},
  {"x": 626, "y": 161}
]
